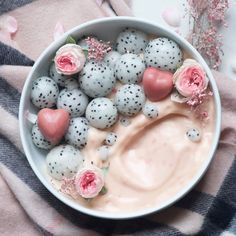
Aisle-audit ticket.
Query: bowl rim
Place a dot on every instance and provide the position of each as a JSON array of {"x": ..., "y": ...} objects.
[{"x": 139, "y": 213}]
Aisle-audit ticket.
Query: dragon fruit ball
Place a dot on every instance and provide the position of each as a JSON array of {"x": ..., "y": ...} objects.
[
  {"x": 111, "y": 58},
  {"x": 97, "y": 79},
  {"x": 39, "y": 140},
  {"x": 101, "y": 113},
  {"x": 77, "y": 133},
  {"x": 64, "y": 161},
  {"x": 164, "y": 54},
  {"x": 44, "y": 92},
  {"x": 130, "y": 99},
  {"x": 131, "y": 40},
  {"x": 74, "y": 101},
  {"x": 129, "y": 69},
  {"x": 58, "y": 78}
]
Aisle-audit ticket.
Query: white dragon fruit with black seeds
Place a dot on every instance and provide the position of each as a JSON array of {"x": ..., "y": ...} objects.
[
  {"x": 103, "y": 152},
  {"x": 131, "y": 40},
  {"x": 129, "y": 69},
  {"x": 150, "y": 110},
  {"x": 58, "y": 78},
  {"x": 194, "y": 135},
  {"x": 125, "y": 121},
  {"x": 129, "y": 99},
  {"x": 101, "y": 113},
  {"x": 74, "y": 101},
  {"x": 111, "y": 138},
  {"x": 164, "y": 54},
  {"x": 44, "y": 92},
  {"x": 77, "y": 133},
  {"x": 111, "y": 58},
  {"x": 71, "y": 84},
  {"x": 97, "y": 79},
  {"x": 64, "y": 161},
  {"x": 39, "y": 140}
]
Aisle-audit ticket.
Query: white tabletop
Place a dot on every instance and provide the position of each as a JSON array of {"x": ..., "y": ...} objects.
[{"x": 152, "y": 10}]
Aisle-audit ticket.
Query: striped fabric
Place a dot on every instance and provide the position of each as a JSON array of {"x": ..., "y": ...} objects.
[{"x": 27, "y": 208}]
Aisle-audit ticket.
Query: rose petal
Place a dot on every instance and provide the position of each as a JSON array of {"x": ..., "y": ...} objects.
[
  {"x": 58, "y": 30},
  {"x": 172, "y": 16},
  {"x": 11, "y": 24},
  {"x": 99, "y": 2}
]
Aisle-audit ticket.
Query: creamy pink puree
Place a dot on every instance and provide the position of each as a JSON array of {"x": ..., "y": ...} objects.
[{"x": 152, "y": 159}]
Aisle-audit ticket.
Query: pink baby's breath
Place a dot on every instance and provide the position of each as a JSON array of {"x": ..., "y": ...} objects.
[
  {"x": 198, "y": 98},
  {"x": 217, "y": 10},
  {"x": 197, "y": 103},
  {"x": 68, "y": 187},
  {"x": 205, "y": 17},
  {"x": 97, "y": 49},
  {"x": 204, "y": 115}
]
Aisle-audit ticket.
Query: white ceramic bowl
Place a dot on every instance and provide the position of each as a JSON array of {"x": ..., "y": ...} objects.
[{"x": 107, "y": 29}]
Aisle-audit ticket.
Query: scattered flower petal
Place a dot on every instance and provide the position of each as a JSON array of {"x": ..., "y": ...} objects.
[
  {"x": 58, "y": 30},
  {"x": 11, "y": 24},
  {"x": 172, "y": 16},
  {"x": 99, "y": 2}
]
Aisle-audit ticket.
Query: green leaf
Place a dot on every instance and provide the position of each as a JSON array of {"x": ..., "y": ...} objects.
[
  {"x": 70, "y": 39},
  {"x": 85, "y": 52},
  {"x": 104, "y": 190}
]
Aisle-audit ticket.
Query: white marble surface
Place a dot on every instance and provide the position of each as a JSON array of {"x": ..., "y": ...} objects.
[{"x": 152, "y": 10}]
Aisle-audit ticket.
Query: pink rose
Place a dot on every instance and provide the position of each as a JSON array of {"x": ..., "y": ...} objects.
[
  {"x": 190, "y": 78},
  {"x": 89, "y": 182},
  {"x": 69, "y": 59}
]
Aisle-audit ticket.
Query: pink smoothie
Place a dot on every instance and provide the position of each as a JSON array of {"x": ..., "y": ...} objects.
[{"x": 152, "y": 160}]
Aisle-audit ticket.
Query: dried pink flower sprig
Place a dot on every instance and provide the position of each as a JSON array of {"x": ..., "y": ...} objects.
[
  {"x": 198, "y": 98},
  {"x": 68, "y": 187},
  {"x": 97, "y": 49},
  {"x": 205, "y": 17}
]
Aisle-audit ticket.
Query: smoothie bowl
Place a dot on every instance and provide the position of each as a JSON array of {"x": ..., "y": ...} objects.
[{"x": 120, "y": 118}]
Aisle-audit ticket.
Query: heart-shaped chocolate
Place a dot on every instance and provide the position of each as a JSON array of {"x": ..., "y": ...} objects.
[
  {"x": 53, "y": 124},
  {"x": 157, "y": 84}
]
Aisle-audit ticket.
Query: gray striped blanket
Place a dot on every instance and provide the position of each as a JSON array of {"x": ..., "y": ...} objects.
[{"x": 26, "y": 207}]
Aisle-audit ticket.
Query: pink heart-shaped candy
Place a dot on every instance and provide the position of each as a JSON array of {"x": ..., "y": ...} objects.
[
  {"x": 157, "y": 84},
  {"x": 53, "y": 124}
]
